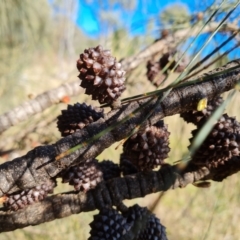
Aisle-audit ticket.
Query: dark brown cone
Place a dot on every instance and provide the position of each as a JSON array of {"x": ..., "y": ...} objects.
[
  {"x": 102, "y": 76},
  {"x": 109, "y": 225},
  {"x": 109, "y": 169},
  {"x": 200, "y": 117},
  {"x": 84, "y": 176},
  {"x": 171, "y": 59},
  {"x": 153, "y": 70},
  {"x": 221, "y": 144},
  {"x": 148, "y": 149},
  {"x": 76, "y": 117},
  {"x": 153, "y": 229},
  {"x": 127, "y": 167},
  {"x": 136, "y": 213},
  {"x": 29, "y": 196}
]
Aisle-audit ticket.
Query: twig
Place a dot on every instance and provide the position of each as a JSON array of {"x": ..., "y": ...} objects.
[{"x": 38, "y": 104}]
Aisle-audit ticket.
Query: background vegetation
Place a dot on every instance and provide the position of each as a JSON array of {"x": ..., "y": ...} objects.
[{"x": 39, "y": 45}]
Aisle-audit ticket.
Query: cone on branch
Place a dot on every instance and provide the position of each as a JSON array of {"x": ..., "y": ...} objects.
[
  {"x": 147, "y": 149},
  {"x": 200, "y": 117},
  {"x": 108, "y": 224},
  {"x": 153, "y": 71},
  {"x": 221, "y": 144},
  {"x": 29, "y": 196},
  {"x": 152, "y": 229},
  {"x": 154, "y": 74},
  {"x": 101, "y": 75},
  {"x": 109, "y": 169},
  {"x": 126, "y": 166},
  {"x": 84, "y": 176},
  {"x": 76, "y": 117},
  {"x": 171, "y": 58}
]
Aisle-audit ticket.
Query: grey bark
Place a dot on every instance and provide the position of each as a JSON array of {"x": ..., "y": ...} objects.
[
  {"x": 38, "y": 104},
  {"x": 113, "y": 192},
  {"x": 105, "y": 194}
]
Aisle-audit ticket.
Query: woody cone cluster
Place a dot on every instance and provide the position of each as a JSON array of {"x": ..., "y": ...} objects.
[{"x": 101, "y": 75}]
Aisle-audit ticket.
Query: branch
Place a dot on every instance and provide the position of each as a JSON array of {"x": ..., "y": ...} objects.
[
  {"x": 47, "y": 99},
  {"x": 160, "y": 45},
  {"x": 113, "y": 192},
  {"x": 40, "y": 164},
  {"x": 38, "y": 104},
  {"x": 105, "y": 194}
]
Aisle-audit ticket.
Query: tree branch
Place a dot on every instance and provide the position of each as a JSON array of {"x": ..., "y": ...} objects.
[
  {"x": 172, "y": 41},
  {"x": 47, "y": 99},
  {"x": 113, "y": 192},
  {"x": 40, "y": 164},
  {"x": 105, "y": 194},
  {"x": 38, "y": 104}
]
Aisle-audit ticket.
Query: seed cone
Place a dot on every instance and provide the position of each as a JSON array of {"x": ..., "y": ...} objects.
[
  {"x": 147, "y": 149},
  {"x": 109, "y": 225},
  {"x": 153, "y": 230},
  {"x": 221, "y": 144},
  {"x": 153, "y": 69},
  {"x": 102, "y": 76},
  {"x": 136, "y": 213},
  {"x": 109, "y": 169},
  {"x": 84, "y": 176},
  {"x": 200, "y": 117},
  {"x": 29, "y": 196},
  {"x": 126, "y": 166},
  {"x": 171, "y": 58},
  {"x": 76, "y": 117}
]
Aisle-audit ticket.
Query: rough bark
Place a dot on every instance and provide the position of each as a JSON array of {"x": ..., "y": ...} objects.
[
  {"x": 105, "y": 194},
  {"x": 40, "y": 164},
  {"x": 113, "y": 192},
  {"x": 38, "y": 104}
]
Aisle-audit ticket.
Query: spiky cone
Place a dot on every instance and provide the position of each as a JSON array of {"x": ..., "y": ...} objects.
[
  {"x": 101, "y": 75},
  {"x": 126, "y": 166},
  {"x": 154, "y": 230},
  {"x": 76, "y": 117},
  {"x": 29, "y": 196},
  {"x": 84, "y": 176},
  {"x": 147, "y": 149},
  {"x": 136, "y": 213},
  {"x": 221, "y": 144},
  {"x": 153, "y": 71},
  {"x": 171, "y": 59},
  {"x": 108, "y": 225},
  {"x": 149, "y": 228},
  {"x": 109, "y": 169},
  {"x": 200, "y": 117}
]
